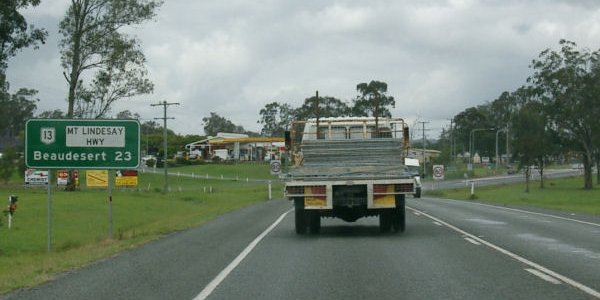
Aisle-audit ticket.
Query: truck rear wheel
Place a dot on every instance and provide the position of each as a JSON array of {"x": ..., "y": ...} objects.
[
  {"x": 417, "y": 193},
  {"x": 314, "y": 222},
  {"x": 300, "y": 215},
  {"x": 385, "y": 221},
  {"x": 399, "y": 214}
]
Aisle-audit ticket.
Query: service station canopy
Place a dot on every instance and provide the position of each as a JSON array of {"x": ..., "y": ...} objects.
[{"x": 82, "y": 144}]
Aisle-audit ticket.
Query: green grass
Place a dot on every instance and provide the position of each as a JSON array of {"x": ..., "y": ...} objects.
[
  {"x": 564, "y": 194},
  {"x": 241, "y": 170},
  {"x": 80, "y": 219},
  {"x": 458, "y": 171}
]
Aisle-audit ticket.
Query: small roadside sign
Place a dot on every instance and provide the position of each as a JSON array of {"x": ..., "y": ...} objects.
[
  {"x": 275, "y": 167},
  {"x": 126, "y": 178},
  {"x": 36, "y": 177},
  {"x": 62, "y": 177},
  {"x": 82, "y": 144},
  {"x": 96, "y": 178},
  {"x": 438, "y": 172}
]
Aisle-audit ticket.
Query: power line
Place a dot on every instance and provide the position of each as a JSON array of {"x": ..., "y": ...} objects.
[{"x": 165, "y": 104}]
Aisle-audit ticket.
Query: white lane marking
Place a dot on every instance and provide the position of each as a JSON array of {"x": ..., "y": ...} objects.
[
  {"x": 532, "y": 213},
  {"x": 219, "y": 278},
  {"x": 543, "y": 276},
  {"x": 416, "y": 213},
  {"x": 472, "y": 241},
  {"x": 437, "y": 223},
  {"x": 569, "y": 281}
]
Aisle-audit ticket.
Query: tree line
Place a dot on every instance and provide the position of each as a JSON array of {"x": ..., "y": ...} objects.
[
  {"x": 554, "y": 115},
  {"x": 101, "y": 62},
  {"x": 372, "y": 100}
]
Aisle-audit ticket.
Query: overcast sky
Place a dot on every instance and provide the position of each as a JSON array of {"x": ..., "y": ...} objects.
[{"x": 233, "y": 57}]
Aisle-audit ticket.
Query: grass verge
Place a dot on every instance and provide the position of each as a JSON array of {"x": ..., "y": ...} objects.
[
  {"x": 80, "y": 220},
  {"x": 565, "y": 194}
]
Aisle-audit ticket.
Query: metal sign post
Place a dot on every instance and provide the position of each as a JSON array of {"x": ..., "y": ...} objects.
[
  {"x": 49, "y": 211},
  {"x": 110, "y": 216}
]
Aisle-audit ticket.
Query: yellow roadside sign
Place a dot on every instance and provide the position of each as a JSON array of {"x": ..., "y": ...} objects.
[{"x": 96, "y": 178}]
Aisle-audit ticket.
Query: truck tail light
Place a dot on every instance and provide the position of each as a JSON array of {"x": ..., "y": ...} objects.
[
  {"x": 315, "y": 196},
  {"x": 317, "y": 191},
  {"x": 294, "y": 190},
  {"x": 383, "y": 195},
  {"x": 382, "y": 188},
  {"x": 404, "y": 188}
]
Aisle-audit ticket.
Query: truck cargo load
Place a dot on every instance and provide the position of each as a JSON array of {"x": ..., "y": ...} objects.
[{"x": 348, "y": 168}]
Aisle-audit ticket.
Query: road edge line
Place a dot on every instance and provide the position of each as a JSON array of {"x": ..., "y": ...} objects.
[
  {"x": 521, "y": 211},
  {"x": 586, "y": 289},
  {"x": 211, "y": 286},
  {"x": 539, "y": 214}
]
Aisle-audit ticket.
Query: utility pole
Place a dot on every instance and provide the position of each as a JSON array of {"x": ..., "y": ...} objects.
[
  {"x": 507, "y": 143},
  {"x": 452, "y": 140},
  {"x": 164, "y": 118},
  {"x": 318, "y": 113},
  {"x": 424, "y": 141}
]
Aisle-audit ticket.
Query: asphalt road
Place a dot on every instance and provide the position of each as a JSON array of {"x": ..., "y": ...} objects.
[
  {"x": 451, "y": 250},
  {"x": 500, "y": 179}
]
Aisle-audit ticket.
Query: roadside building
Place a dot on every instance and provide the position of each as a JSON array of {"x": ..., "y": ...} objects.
[{"x": 237, "y": 147}]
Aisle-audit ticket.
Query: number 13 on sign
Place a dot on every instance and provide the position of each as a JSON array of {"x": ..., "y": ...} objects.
[{"x": 48, "y": 135}]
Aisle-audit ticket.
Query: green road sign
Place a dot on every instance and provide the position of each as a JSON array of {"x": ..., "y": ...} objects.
[{"x": 82, "y": 144}]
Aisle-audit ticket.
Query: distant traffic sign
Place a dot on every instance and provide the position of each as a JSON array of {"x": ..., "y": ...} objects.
[
  {"x": 438, "y": 172},
  {"x": 275, "y": 167},
  {"x": 84, "y": 144}
]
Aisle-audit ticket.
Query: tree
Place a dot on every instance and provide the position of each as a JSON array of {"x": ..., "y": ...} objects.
[
  {"x": 16, "y": 109},
  {"x": 474, "y": 118},
  {"x": 151, "y": 127},
  {"x": 443, "y": 144},
  {"x": 275, "y": 118},
  {"x": 92, "y": 40},
  {"x": 127, "y": 115},
  {"x": 52, "y": 114},
  {"x": 533, "y": 139},
  {"x": 215, "y": 124},
  {"x": 15, "y": 34},
  {"x": 373, "y": 100},
  {"x": 7, "y": 164},
  {"x": 502, "y": 110},
  {"x": 567, "y": 81},
  {"x": 328, "y": 107}
]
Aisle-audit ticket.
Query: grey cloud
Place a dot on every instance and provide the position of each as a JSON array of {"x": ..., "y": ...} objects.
[{"x": 233, "y": 57}]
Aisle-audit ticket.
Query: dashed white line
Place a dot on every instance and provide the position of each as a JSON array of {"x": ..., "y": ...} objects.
[
  {"x": 472, "y": 241},
  {"x": 543, "y": 276},
  {"x": 221, "y": 276},
  {"x": 535, "y": 213},
  {"x": 588, "y": 290},
  {"x": 437, "y": 223}
]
